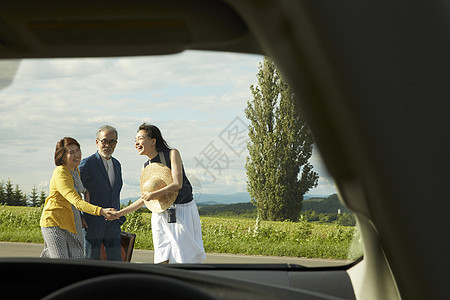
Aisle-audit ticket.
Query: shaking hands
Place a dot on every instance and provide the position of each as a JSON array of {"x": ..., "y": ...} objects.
[{"x": 110, "y": 214}]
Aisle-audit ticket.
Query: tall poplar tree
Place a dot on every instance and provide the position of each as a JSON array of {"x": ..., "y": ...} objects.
[{"x": 280, "y": 146}]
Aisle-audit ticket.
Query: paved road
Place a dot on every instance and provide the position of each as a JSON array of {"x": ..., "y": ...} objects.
[{"x": 9, "y": 249}]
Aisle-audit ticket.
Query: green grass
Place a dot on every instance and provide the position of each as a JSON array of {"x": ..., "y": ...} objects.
[
  {"x": 220, "y": 235},
  {"x": 20, "y": 224}
]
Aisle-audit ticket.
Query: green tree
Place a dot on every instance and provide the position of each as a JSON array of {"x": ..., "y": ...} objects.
[
  {"x": 42, "y": 198},
  {"x": 34, "y": 197},
  {"x": 19, "y": 198},
  {"x": 9, "y": 193},
  {"x": 347, "y": 219},
  {"x": 280, "y": 146},
  {"x": 2, "y": 193}
]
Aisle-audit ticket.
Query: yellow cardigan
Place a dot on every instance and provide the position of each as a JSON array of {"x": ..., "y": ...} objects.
[{"x": 58, "y": 209}]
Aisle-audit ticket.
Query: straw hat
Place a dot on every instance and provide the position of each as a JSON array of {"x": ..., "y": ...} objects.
[{"x": 154, "y": 177}]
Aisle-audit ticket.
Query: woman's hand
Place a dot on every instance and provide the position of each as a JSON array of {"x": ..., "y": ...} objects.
[
  {"x": 146, "y": 196},
  {"x": 110, "y": 214}
]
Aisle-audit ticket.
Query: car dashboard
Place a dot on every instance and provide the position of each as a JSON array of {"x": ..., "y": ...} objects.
[{"x": 67, "y": 279}]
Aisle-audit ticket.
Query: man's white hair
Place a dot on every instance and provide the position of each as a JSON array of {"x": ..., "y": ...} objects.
[{"x": 107, "y": 128}]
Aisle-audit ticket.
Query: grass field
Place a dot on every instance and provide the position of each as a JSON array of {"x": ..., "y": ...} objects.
[{"x": 220, "y": 235}]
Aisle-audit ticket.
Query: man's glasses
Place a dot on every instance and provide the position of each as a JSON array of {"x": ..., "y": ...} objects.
[{"x": 110, "y": 142}]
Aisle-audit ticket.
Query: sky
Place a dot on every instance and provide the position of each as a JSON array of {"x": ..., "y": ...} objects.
[{"x": 197, "y": 100}]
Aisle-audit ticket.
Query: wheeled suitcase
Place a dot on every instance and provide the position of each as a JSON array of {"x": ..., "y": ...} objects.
[{"x": 127, "y": 245}]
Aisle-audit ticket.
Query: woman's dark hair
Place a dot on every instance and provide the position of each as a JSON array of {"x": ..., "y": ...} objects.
[
  {"x": 61, "y": 149},
  {"x": 154, "y": 133}
]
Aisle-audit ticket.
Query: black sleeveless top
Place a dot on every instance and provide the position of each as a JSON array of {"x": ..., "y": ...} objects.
[{"x": 185, "y": 193}]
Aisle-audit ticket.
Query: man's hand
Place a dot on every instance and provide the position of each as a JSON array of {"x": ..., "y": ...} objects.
[{"x": 87, "y": 196}]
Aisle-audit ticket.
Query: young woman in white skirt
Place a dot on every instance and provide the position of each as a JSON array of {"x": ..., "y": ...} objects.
[{"x": 181, "y": 241}]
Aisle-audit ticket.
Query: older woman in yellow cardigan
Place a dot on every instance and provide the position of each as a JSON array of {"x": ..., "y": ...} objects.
[{"x": 61, "y": 220}]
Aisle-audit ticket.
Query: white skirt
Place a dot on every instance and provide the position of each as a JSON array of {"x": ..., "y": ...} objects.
[{"x": 179, "y": 242}]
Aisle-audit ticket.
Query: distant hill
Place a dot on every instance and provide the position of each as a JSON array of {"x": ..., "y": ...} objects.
[
  {"x": 318, "y": 203},
  {"x": 127, "y": 200},
  {"x": 209, "y": 199},
  {"x": 236, "y": 209},
  {"x": 330, "y": 204},
  {"x": 321, "y": 205},
  {"x": 307, "y": 197}
]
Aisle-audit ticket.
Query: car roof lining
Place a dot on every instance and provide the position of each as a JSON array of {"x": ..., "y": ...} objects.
[{"x": 63, "y": 29}]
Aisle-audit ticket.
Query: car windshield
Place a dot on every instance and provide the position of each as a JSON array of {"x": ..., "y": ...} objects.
[{"x": 200, "y": 101}]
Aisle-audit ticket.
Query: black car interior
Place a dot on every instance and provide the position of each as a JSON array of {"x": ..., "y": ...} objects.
[{"x": 371, "y": 78}]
